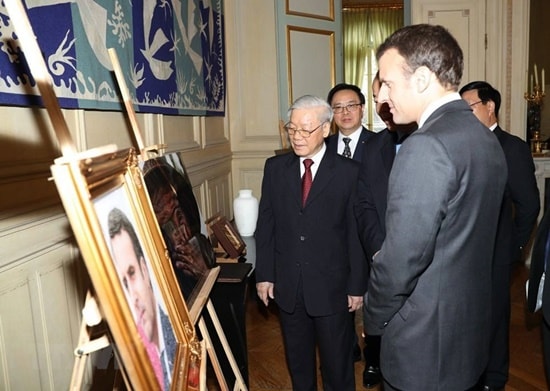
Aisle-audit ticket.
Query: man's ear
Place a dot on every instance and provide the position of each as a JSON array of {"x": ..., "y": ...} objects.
[
  {"x": 491, "y": 107},
  {"x": 326, "y": 129},
  {"x": 422, "y": 77}
]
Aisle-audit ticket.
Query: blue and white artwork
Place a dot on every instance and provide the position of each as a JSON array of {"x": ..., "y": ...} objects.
[{"x": 171, "y": 53}]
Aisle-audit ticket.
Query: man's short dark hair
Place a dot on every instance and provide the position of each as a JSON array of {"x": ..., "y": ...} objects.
[
  {"x": 485, "y": 91},
  {"x": 118, "y": 222},
  {"x": 344, "y": 86},
  {"x": 431, "y": 46}
]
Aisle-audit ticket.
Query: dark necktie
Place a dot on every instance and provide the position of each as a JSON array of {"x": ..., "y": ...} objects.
[
  {"x": 307, "y": 180},
  {"x": 347, "y": 151}
]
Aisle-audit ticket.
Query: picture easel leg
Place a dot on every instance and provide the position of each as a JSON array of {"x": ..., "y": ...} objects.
[
  {"x": 212, "y": 354},
  {"x": 239, "y": 382},
  {"x": 87, "y": 345}
]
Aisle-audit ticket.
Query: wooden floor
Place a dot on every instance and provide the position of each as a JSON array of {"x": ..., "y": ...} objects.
[{"x": 267, "y": 368}]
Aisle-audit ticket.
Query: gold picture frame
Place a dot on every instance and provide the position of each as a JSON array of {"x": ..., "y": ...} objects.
[{"x": 134, "y": 283}]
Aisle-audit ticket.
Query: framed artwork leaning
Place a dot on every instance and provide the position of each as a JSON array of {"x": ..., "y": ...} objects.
[
  {"x": 180, "y": 222},
  {"x": 224, "y": 233},
  {"x": 107, "y": 205}
]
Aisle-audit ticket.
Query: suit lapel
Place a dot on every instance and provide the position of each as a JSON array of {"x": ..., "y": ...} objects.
[
  {"x": 294, "y": 180},
  {"x": 322, "y": 177}
]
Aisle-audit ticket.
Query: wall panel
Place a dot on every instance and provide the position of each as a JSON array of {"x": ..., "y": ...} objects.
[{"x": 38, "y": 320}]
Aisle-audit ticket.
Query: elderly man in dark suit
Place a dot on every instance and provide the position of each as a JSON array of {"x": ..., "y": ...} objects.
[
  {"x": 370, "y": 210},
  {"x": 429, "y": 293},
  {"x": 348, "y": 105},
  {"x": 308, "y": 254},
  {"x": 518, "y": 217}
]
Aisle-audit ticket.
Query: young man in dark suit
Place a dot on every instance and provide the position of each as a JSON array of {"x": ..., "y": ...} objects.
[
  {"x": 517, "y": 220},
  {"x": 429, "y": 293},
  {"x": 370, "y": 210},
  {"x": 308, "y": 255},
  {"x": 348, "y": 105}
]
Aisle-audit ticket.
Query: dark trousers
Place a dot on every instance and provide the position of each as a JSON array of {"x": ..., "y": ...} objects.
[
  {"x": 496, "y": 373},
  {"x": 332, "y": 335},
  {"x": 371, "y": 350},
  {"x": 545, "y": 326}
]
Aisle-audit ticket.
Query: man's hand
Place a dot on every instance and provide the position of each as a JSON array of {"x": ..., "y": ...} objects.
[
  {"x": 354, "y": 302},
  {"x": 265, "y": 291}
]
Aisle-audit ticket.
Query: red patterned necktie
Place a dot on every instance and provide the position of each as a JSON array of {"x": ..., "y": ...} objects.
[{"x": 307, "y": 180}]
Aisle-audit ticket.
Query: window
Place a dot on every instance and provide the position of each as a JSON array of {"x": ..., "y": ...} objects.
[{"x": 364, "y": 30}]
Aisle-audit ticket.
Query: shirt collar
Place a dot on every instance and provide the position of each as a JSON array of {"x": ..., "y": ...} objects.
[
  {"x": 436, "y": 105},
  {"x": 316, "y": 160},
  {"x": 354, "y": 136}
]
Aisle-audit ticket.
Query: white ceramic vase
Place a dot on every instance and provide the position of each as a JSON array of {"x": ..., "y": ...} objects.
[{"x": 245, "y": 212}]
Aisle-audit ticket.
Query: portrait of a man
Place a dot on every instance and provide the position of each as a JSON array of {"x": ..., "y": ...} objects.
[
  {"x": 180, "y": 222},
  {"x": 138, "y": 282}
]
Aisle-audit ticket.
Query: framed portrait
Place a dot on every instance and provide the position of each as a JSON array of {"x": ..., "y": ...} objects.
[
  {"x": 120, "y": 241},
  {"x": 226, "y": 235},
  {"x": 180, "y": 222}
]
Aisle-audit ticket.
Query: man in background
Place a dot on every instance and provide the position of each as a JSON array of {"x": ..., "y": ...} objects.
[
  {"x": 518, "y": 216},
  {"x": 429, "y": 293},
  {"x": 348, "y": 105},
  {"x": 308, "y": 254},
  {"x": 370, "y": 210}
]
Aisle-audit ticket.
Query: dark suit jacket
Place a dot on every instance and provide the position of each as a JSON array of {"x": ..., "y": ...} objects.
[
  {"x": 318, "y": 242},
  {"x": 521, "y": 205},
  {"x": 372, "y": 190},
  {"x": 429, "y": 291},
  {"x": 537, "y": 268},
  {"x": 332, "y": 143}
]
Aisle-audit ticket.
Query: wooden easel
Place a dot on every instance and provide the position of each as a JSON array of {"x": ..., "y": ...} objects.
[
  {"x": 87, "y": 344},
  {"x": 203, "y": 296}
]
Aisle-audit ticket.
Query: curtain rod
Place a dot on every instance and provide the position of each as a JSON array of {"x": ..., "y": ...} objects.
[{"x": 366, "y": 6}]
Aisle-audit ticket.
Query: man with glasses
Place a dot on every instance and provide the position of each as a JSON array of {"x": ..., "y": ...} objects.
[
  {"x": 518, "y": 217},
  {"x": 308, "y": 256},
  {"x": 348, "y": 105}
]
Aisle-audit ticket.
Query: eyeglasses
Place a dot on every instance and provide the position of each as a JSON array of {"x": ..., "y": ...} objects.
[
  {"x": 304, "y": 133},
  {"x": 475, "y": 103},
  {"x": 351, "y": 108}
]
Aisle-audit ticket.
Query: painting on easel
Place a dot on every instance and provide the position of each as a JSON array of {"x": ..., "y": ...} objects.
[
  {"x": 121, "y": 243},
  {"x": 180, "y": 222},
  {"x": 140, "y": 286}
]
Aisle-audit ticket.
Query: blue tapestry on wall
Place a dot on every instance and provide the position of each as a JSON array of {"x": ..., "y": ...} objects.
[{"x": 171, "y": 53}]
